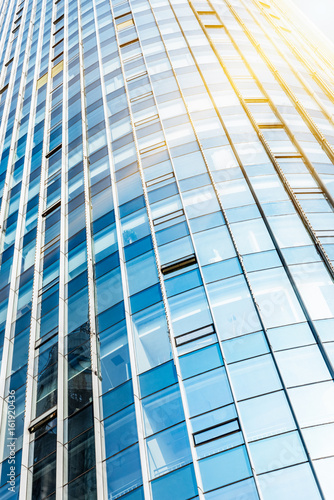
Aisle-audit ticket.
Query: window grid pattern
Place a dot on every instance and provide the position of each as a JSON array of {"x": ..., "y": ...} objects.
[{"x": 166, "y": 288}]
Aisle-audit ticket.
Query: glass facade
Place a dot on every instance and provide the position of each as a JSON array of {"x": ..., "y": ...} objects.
[{"x": 167, "y": 252}]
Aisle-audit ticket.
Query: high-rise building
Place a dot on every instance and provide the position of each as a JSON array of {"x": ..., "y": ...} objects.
[{"x": 167, "y": 252}]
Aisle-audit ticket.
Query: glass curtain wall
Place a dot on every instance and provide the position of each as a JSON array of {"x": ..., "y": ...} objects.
[{"x": 166, "y": 252}]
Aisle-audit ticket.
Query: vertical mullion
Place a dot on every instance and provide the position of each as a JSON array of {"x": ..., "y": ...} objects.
[
  {"x": 90, "y": 273},
  {"x": 62, "y": 392},
  {"x": 31, "y": 399}
]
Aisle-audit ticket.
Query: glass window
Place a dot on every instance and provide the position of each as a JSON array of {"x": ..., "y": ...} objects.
[
  {"x": 276, "y": 298},
  {"x": 138, "y": 494},
  {"x": 190, "y": 165},
  {"x": 84, "y": 487},
  {"x": 295, "y": 364},
  {"x": 175, "y": 250},
  {"x": 247, "y": 346},
  {"x": 289, "y": 231},
  {"x": 135, "y": 226},
  {"x": 324, "y": 470},
  {"x": 145, "y": 298},
  {"x": 105, "y": 242},
  {"x": 182, "y": 282},
  {"x": 275, "y": 452},
  {"x": 221, "y": 270},
  {"x": 151, "y": 338},
  {"x": 321, "y": 411},
  {"x": 81, "y": 454},
  {"x": 266, "y": 415},
  {"x": 316, "y": 288},
  {"x": 208, "y": 391},
  {"x": 162, "y": 410},
  {"x": 225, "y": 468},
  {"x": 77, "y": 309},
  {"x": 269, "y": 188},
  {"x": 319, "y": 440},
  {"x": 142, "y": 272},
  {"x": 189, "y": 311},
  {"x": 214, "y": 418},
  {"x": 166, "y": 206},
  {"x": 178, "y": 485},
  {"x": 172, "y": 233},
  {"x": 79, "y": 422},
  {"x": 290, "y": 336},
  {"x": 114, "y": 355},
  {"x": 200, "y": 361},
  {"x": 234, "y": 193},
  {"x": 207, "y": 221},
  {"x": 157, "y": 379},
  {"x": 292, "y": 483},
  {"x": 117, "y": 399},
  {"x": 243, "y": 490},
  {"x": 44, "y": 478},
  {"x": 252, "y": 236},
  {"x": 214, "y": 245},
  {"x": 233, "y": 307},
  {"x": 168, "y": 450},
  {"x": 120, "y": 431},
  {"x": 325, "y": 329},
  {"x": 124, "y": 472},
  {"x": 200, "y": 201},
  {"x": 254, "y": 376},
  {"x": 109, "y": 290}
]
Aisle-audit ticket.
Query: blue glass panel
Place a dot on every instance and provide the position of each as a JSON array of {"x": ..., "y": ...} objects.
[
  {"x": 162, "y": 410},
  {"x": 117, "y": 399},
  {"x": 245, "y": 347},
  {"x": 6, "y": 494},
  {"x": 200, "y": 361},
  {"x": 137, "y": 248},
  {"x": 135, "y": 495},
  {"x": 142, "y": 272},
  {"x": 245, "y": 490},
  {"x": 132, "y": 206},
  {"x": 214, "y": 418},
  {"x": 179, "y": 485},
  {"x": 151, "y": 338},
  {"x": 157, "y": 379},
  {"x": 254, "y": 377},
  {"x": 109, "y": 290},
  {"x": 107, "y": 264},
  {"x": 189, "y": 311},
  {"x": 114, "y": 355},
  {"x": 221, "y": 270},
  {"x": 172, "y": 233},
  {"x": 124, "y": 472},
  {"x": 272, "y": 453},
  {"x": 145, "y": 298},
  {"x": 111, "y": 316},
  {"x": 77, "y": 309},
  {"x": 183, "y": 282},
  {"x": 295, "y": 335},
  {"x": 120, "y": 431},
  {"x": 292, "y": 483},
  {"x": 265, "y": 415},
  {"x": 168, "y": 450},
  {"x": 208, "y": 391},
  {"x": 225, "y": 468}
]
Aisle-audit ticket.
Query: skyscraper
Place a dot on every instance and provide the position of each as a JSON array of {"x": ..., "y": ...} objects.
[{"x": 167, "y": 248}]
